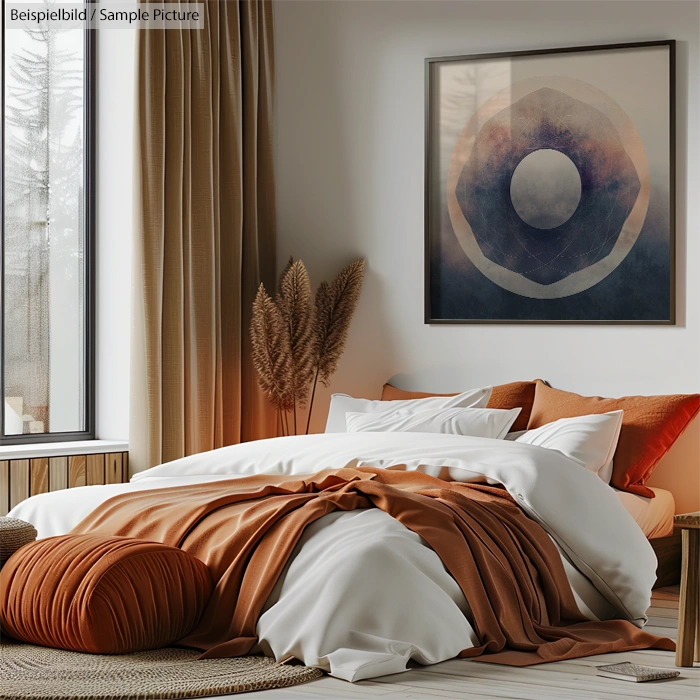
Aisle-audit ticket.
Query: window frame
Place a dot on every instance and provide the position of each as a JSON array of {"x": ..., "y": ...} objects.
[{"x": 90, "y": 53}]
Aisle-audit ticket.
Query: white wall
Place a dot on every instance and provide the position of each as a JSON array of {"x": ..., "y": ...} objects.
[
  {"x": 115, "y": 133},
  {"x": 350, "y": 101}
]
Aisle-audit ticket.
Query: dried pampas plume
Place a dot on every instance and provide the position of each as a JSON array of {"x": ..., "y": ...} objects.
[
  {"x": 294, "y": 303},
  {"x": 290, "y": 262},
  {"x": 295, "y": 340},
  {"x": 335, "y": 306},
  {"x": 271, "y": 353}
]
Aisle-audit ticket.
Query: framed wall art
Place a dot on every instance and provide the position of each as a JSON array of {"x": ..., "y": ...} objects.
[{"x": 549, "y": 192}]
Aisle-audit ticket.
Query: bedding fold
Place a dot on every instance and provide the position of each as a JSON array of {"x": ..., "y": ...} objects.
[{"x": 245, "y": 531}]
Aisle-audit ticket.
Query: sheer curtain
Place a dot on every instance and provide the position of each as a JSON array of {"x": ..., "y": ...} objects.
[{"x": 205, "y": 231}]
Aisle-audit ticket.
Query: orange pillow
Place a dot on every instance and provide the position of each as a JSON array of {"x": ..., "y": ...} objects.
[
  {"x": 506, "y": 396},
  {"x": 650, "y": 425},
  {"x": 103, "y": 595}
]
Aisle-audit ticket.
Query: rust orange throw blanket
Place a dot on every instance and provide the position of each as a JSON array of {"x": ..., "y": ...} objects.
[{"x": 244, "y": 530}]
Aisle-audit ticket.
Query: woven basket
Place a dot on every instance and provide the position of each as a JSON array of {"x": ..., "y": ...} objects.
[{"x": 14, "y": 533}]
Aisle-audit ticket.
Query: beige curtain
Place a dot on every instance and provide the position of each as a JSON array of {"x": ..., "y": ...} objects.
[{"x": 205, "y": 231}]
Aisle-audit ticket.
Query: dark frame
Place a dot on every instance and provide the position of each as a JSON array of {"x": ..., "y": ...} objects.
[
  {"x": 90, "y": 288},
  {"x": 428, "y": 212}
]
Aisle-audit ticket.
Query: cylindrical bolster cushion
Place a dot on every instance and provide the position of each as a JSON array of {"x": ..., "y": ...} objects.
[{"x": 105, "y": 595}]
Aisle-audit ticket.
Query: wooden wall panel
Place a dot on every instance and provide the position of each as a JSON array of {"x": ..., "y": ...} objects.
[
  {"x": 76, "y": 471},
  {"x": 113, "y": 468},
  {"x": 4, "y": 487},
  {"x": 39, "y": 476},
  {"x": 95, "y": 470},
  {"x": 58, "y": 473},
  {"x": 19, "y": 481},
  {"x": 22, "y": 478}
]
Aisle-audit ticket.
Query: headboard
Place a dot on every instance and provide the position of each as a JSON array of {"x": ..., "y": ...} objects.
[{"x": 679, "y": 471}]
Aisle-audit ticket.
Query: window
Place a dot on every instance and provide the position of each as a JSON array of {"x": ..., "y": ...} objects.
[{"x": 47, "y": 288}]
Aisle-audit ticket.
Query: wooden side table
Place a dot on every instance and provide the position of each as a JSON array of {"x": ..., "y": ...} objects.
[{"x": 688, "y": 644}]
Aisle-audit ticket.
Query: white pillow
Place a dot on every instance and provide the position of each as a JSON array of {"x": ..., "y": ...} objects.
[
  {"x": 475, "y": 422},
  {"x": 590, "y": 440},
  {"x": 342, "y": 404}
]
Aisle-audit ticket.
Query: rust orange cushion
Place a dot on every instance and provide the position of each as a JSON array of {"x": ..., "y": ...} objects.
[
  {"x": 650, "y": 425},
  {"x": 104, "y": 595},
  {"x": 506, "y": 396}
]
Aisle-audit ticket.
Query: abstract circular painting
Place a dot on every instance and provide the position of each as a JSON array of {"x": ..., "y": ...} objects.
[{"x": 548, "y": 191}]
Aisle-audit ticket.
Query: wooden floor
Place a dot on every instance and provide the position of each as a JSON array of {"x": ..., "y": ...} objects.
[{"x": 564, "y": 680}]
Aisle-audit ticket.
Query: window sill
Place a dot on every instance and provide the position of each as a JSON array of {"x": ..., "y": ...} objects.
[{"x": 61, "y": 449}]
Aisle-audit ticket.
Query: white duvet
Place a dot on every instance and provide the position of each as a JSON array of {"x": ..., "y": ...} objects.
[{"x": 362, "y": 594}]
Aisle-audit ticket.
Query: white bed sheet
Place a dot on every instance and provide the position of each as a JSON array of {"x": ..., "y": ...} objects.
[{"x": 653, "y": 515}]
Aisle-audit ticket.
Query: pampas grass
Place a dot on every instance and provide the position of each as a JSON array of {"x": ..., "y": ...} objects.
[
  {"x": 294, "y": 303},
  {"x": 335, "y": 306},
  {"x": 296, "y": 343},
  {"x": 271, "y": 354}
]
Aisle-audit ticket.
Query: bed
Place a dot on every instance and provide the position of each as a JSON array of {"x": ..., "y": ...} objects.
[{"x": 340, "y": 601}]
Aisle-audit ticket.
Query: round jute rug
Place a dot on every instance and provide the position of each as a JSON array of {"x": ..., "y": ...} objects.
[{"x": 37, "y": 673}]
